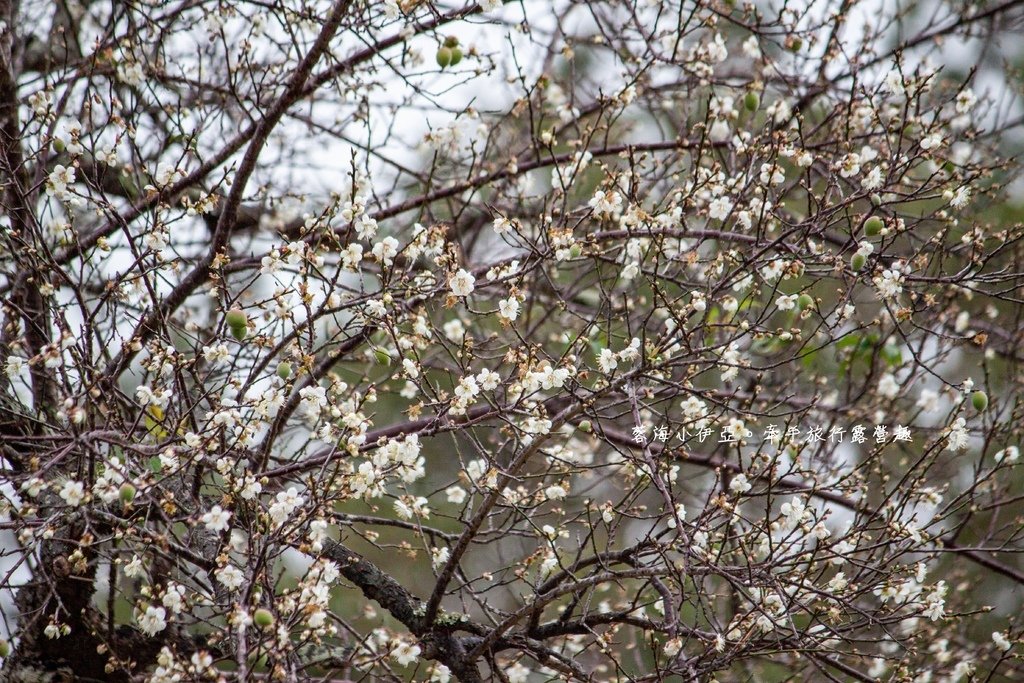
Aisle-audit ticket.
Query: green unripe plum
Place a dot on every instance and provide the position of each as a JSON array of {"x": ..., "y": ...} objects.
[
  {"x": 263, "y": 618},
  {"x": 979, "y": 399},
  {"x": 796, "y": 45},
  {"x": 444, "y": 57},
  {"x": 239, "y": 332},
  {"x": 5, "y": 648},
  {"x": 382, "y": 356},
  {"x": 751, "y": 101},
  {"x": 127, "y": 493},
  {"x": 451, "y": 41},
  {"x": 575, "y": 251},
  {"x": 284, "y": 370},
  {"x": 805, "y": 301},
  {"x": 873, "y": 226},
  {"x": 585, "y": 426},
  {"x": 236, "y": 318},
  {"x": 456, "y": 56},
  {"x": 858, "y": 261}
]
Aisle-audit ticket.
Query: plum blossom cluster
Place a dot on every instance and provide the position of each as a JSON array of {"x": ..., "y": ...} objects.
[{"x": 407, "y": 341}]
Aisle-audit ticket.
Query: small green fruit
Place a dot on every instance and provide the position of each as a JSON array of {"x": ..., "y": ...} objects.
[
  {"x": 751, "y": 101},
  {"x": 444, "y": 57},
  {"x": 284, "y": 370},
  {"x": 382, "y": 356},
  {"x": 236, "y": 318},
  {"x": 59, "y": 146},
  {"x": 795, "y": 45},
  {"x": 979, "y": 399},
  {"x": 127, "y": 493},
  {"x": 5, "y": 648},
  {"x": 456, "y": 56},
  {"x": 805, "y": 301},
  {"x": 873, "y": 226},
  {"x": 451, "y": 41},
  {"x": 239, "y": 332},
  {"x": 263, "y": 618},
  {"x": 858, "y": 261},
  {"x": 585, "y": 426},
  {"x": 876, "y": 199},
  {"x": 575, "y": 251}
]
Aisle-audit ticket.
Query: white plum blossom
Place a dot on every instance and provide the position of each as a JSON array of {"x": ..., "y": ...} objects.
[
  {"x": 386, "y": 250},
  {"x": 739, "y": 483},
  {"x": 285, "y": 503},
  {"x": 795, "y": 512},
  {"x": 555, "y": 492},
  {"x": 607, "y": 360},
  {"x": 441, "y": 673},
  {"x": 153, "y": 620},
  {"x": 849, "y": 165},
  {"x": 719, "y": 208},
  {"x": 488, "y": 379},
  {"x": 606, "y": 204},
  {"x": 508, "y": 308},
  {"x": 217, "y": 519},
  {"x": 501, "y": 225},
  {"x": 73, "y": 492},
  {"x": 888, "y": 386},
  {"x": 787, "y": 302},
  {"x": 230, "y": 576},
  {"x": 174, "y": 598},
  {"x": 59, "y": 181},
  {"x": 462, "y": 283},
  {"x": 1008, "y": 454},
  {"x": 455, "y": 495},
  {"x": 889, "y": 283},
  {"x": 439, "y": 556},
  {"x": 957, "y": 438},
  {"x": 405, "y": 653}
]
